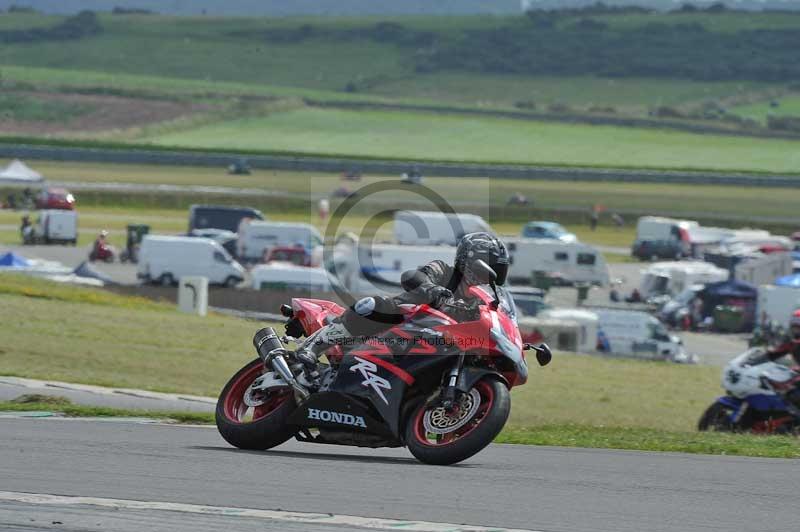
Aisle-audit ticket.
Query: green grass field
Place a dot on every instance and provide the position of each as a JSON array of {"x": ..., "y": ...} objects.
[
  {"x": 463, "y": 138},
  {"x": 788, "y": 106},
  {"x": 112, "y": 340},
  {"x": 629, "y": 95}
]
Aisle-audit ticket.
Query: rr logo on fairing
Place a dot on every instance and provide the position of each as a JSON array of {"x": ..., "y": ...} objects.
[
  {"x": 336, "y": 417},
  {"x": 367, "y": 370}
]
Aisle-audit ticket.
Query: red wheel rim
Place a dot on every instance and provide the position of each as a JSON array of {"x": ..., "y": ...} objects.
[
  {"x": 439, "y": 440},
  {"x": 237, "y": 411}
]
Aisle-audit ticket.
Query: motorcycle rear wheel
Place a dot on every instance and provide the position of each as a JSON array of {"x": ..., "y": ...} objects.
[
  {"x": 446, "y": 447},
  {"x": 716, "y": 418},
  {"x": 254, "y": 428}
]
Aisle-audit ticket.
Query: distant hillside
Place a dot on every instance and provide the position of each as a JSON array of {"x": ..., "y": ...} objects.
[{"x": 358, "y": 7}]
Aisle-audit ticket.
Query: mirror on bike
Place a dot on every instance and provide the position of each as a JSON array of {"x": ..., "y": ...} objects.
[{"x": 488, "y": 275}]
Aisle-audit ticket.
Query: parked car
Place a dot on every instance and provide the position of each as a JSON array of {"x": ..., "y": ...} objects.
[
  {"x": 165, "y": 259},
  {"x": 220, "y": 217},
  {"x": 55, "y": 198},
  {"x": 549, "y": 230},
  {"x": 658, "y": 249},
  {"x": 528, "y": 300}
]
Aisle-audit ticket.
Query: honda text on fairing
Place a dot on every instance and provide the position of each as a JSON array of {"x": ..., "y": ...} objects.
[
  {"x": 762, "y": 397},
  {"x": 437, "y": 383}
]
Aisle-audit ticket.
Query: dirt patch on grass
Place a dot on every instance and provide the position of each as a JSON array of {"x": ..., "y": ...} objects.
[{"x": 90, "y": 113}]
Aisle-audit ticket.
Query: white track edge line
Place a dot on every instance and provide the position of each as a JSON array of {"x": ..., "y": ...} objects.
[{"x": 371, "y": 523}]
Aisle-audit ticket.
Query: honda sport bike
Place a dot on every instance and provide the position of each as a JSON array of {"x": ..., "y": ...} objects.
[{"x": 437, "y": 383}]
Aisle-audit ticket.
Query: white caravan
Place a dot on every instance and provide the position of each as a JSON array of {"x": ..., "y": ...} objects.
[
  {"x": 287, "y": 276},
  {"x": 165, "y": 259},
  {"x": 764, "y": 269},
  {"x": 367, "y": 268},
  {"x": 423, "y": 228},
  {"x": 256, "y": 237},
  {"x": 777, "y": 303},
  {"x": 575, "y": 261},
  {"x": 572, "y": 330},
  {"x": 672, "y": 278}
]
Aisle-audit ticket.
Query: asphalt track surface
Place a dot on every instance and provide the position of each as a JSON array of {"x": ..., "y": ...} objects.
[{"x": 522, "y": 487}]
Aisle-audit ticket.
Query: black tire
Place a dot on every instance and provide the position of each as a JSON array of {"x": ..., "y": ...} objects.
[
  {"x": 231, "y": 282},
  {"x": 478, "y": 437},
  {"x": 716, "y": 418},
  {"x": 265, "y": 433},
  {"x": 166, "y": 279}
]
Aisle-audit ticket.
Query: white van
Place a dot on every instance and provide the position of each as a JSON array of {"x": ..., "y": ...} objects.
[
  {"x": 576, "y": 262},
  {"x": 165, "y": 259},
  {"x": 425, "y": 228},
  {"x": 287, "y": 276},
  {"x": 637, "y": 334},
  {"x": 55, "y": 226},
  {"x": 672, "y": 278},
  {"x": 256, "y": 237},
  {"x": 659, "y": 228}
]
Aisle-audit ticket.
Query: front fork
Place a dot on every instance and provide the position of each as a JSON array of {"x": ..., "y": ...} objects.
[{"x": 449, "y": 391}]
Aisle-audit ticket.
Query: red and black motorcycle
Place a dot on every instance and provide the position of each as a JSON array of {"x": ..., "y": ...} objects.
[{"x": 437, "y": 383}]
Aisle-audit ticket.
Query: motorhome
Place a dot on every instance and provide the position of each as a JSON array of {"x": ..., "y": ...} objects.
[
  {"x": 165, "y": 259},
  {"x": 425, "y": 228},
  {"x": 575, "y": 262},
  {"x": 672, "y": 278},
  {"x": 287, "y": 276},
  {"x": 258, "y": 237}
]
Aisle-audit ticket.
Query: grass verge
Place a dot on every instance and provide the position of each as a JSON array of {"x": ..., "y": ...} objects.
[{"x": 62, "y": 405}]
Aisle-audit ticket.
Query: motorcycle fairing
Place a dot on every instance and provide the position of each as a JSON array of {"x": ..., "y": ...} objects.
[
  {"x": 382, "y": 377},
  {"x": 341, "y": 412},
  {"x": 765, "y": 403}
]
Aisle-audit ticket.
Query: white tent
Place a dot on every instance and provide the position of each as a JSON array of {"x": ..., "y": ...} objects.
[{"x": 18, "y": 172}]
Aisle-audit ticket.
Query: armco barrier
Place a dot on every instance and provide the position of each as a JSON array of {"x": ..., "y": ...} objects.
[{"x": 330, "y": 164}]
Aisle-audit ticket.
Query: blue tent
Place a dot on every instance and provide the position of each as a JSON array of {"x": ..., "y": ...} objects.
[
  {"x": 12, "y": 260},
  {"x": 789, "y": 280}
]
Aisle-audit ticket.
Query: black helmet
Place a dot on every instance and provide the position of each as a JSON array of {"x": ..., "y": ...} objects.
[{"x": 485, "y": 247}]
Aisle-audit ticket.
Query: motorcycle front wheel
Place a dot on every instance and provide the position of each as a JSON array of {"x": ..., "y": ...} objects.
[
  {"x": 716, "y": 418},
  {"x": 435, "y": 436},
  {"x": 249, "y": 420}
]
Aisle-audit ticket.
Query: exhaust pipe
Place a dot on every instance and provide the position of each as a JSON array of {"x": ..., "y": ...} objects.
[{"x": 271, "y": 351}]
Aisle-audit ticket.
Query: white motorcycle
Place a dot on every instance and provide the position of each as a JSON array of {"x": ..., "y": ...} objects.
[{"x": 759, "y": 397}]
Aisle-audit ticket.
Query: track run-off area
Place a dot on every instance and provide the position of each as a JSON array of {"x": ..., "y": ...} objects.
[{"x": 92, "y": 475}]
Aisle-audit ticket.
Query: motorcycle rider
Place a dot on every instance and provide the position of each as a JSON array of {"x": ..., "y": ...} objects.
[
  {"x": 792, "y": 346},
  {"x": 432, "y": 284}
]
